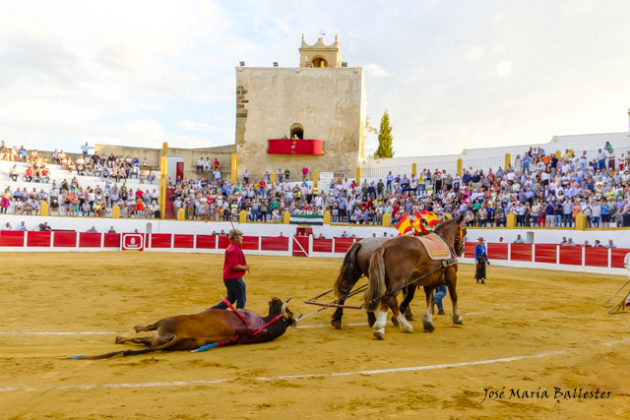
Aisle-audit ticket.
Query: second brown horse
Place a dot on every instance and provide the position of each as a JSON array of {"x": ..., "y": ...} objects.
[{"x": 403, "y": 261}]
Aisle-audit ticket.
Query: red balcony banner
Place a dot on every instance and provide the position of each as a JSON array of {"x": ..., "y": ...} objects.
[{"x": 294, "y": 147}]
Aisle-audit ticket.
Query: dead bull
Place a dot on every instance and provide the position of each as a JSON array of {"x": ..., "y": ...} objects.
[{"x": 210, "y": 328}]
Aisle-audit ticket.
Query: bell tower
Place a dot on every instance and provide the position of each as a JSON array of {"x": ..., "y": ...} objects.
[{"x": 320, "y": 55}]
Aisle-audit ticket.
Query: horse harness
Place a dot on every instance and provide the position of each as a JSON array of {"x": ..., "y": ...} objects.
[{"x": 445, "y": 263}]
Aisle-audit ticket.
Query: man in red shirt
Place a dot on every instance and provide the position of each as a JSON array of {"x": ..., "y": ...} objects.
[{"x": 234, "y": 268}]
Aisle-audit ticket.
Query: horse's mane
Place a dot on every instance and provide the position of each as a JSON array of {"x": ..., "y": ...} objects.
[{"x": 442, "y": 223}]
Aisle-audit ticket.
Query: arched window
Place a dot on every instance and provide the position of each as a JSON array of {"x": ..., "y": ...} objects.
[
  {"x": 320, "y": 62},
  {"x": 297, "y": 130}
]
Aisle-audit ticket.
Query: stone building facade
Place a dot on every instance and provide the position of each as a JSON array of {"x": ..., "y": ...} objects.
[{"x": 321, "y": 99}]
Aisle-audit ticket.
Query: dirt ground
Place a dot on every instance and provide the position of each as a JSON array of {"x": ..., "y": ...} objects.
[{"x": 533, "y": 334}]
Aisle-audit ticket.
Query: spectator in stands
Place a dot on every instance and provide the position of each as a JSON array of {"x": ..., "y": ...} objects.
[
  {"x": 28, "y": 174},
  {"x": 5, "y": 200},
  {"x": 22, "y": 226},
  {"x": 13, "y": 173},
  {"x": 44, "y": 227},
  {"x": 85, "y": 149},
  {"x": 564, "y": 241},
  {"x": 92, "y": 230},
  {"x": 304, "y": 173},
  {"x": 519, "y": 239},
  {"x": 22, "y": 154},
  {"x": 611, "y": 244},
  {"x": 570, "y": 243},
  {"x": 111, "y": 230}
]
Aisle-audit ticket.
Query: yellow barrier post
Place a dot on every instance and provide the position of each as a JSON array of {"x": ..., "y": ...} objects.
[
  {"x": 181, "y": 214},
  {"x": 387, "y": 219},
  {"x": 115, "y": 212},
  {"x": 234, "y": 167},
  {"x": 358, "y": 176},
  {"x": 580, "y": 221},
  {"x": 163, "y": 177},
  {"x": 273, "y": 178},
  {"x": 315, "y": 178},
  {"x": 414, "y": 169},
  {"x": 460, "y": 167},
  {"x": 327, "y": 217},
  {"x": 242, "y": 216},
  {"x": 508, "y": 161},
  {"x": 510, "y": 222},
  {"x": 43, "y": 209},
  {"x": 286, "y": 217}
]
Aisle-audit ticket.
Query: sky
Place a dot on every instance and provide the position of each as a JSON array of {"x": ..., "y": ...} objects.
[{"x": 453, "y": 74}]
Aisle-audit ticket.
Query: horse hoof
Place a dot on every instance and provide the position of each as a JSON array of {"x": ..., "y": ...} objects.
[
  {"x": 371, "y": 319},
  {"x": 395, "y": 321},
  {"x": 379, "y": 334},
  {"x": 119, "y": 340},
  {"x": 428, "y": 327},
  {"x": 409, "y": 316},
  {"x": 408, "y": 329},
  {"x": 459, "y": 321},
  {"x": 138, "y": 328},
  {"x": 336, "y": 323}
]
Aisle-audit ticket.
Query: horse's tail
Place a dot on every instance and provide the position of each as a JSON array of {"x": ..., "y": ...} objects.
[
  {"x": 376, "y": 284},
  {"x": 344, "y": 283}
]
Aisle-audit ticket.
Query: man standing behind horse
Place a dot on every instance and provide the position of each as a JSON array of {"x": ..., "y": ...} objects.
[
  {"x": 481, "y": 258},
  {"x": 234, "y": 268}
]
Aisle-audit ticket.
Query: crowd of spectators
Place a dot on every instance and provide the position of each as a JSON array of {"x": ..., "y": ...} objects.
[
  {"x": 66, "y": 197},
  {"x": 540, "y": 189}
]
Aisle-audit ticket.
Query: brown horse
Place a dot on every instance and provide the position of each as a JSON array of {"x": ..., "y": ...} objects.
[
  {"x": 356, "y": 264},
  {"x": 403, "y": 261}
]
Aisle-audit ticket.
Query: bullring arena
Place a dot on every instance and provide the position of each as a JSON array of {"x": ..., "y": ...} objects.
[{"x": 534, "y": 344}]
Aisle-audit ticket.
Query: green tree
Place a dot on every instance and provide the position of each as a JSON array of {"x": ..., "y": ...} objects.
[{"x": 385, "y": 139}]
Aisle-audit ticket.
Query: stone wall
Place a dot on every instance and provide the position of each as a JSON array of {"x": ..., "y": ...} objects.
[{"x": 329, "y": 103}]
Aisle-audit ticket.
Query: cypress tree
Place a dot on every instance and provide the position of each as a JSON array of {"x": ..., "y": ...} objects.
[{"x": 385, "y": 139}]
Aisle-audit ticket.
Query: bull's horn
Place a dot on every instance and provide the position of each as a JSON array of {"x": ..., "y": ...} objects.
[
  {"x": 287, "y": 301},
  {"x": 283, "y": 310}
]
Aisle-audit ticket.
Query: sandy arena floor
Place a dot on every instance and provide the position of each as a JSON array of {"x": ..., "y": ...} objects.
[{"x": 532, "y": 334}]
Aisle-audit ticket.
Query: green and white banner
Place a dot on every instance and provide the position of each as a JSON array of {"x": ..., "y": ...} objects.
[{"x": 307, "y": 219}]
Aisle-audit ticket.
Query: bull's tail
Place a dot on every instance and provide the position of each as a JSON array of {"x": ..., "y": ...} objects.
[
  {"x": 376, "y": 282},
  {"x": 168, "y": 345},
  {"x": 347, "y": 275}
]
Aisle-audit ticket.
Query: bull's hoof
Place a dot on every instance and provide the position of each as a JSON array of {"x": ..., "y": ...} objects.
[
  {"x": 395, "y": 321},
  {"x": 336, "y": 323},
  {"x": 428, "y": 327},
  {"x": 379, "y": 334},
  {"x": 120, "y": 340},
  {"x": 138, "y": 328}
]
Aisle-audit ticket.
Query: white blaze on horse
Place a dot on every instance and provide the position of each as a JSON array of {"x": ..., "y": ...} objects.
[
  {"x": 412, "y": 261},
  {"x": 210, "y": 328}
]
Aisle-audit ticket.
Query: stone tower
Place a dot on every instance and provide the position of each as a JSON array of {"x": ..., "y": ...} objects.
[{"x": 321, "y": 102}]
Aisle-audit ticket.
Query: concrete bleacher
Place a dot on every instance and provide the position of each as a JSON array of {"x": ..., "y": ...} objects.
[{"x": 58, "y": 174}]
